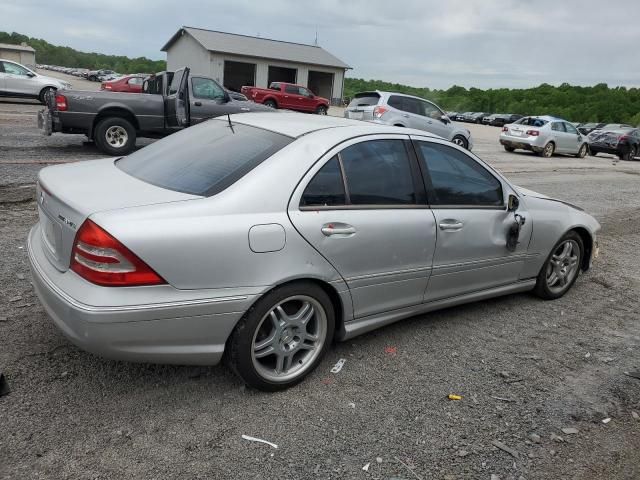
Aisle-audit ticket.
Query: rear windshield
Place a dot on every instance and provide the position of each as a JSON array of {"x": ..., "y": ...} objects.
[
  {"x": 532, "y": 122},
  {"x": 204, "y": 159},
  {"x": 365, "y": 100}
]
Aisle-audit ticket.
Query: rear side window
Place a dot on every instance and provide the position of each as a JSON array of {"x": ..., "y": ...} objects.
[
  {"x": 203, "y": 159},
  {"x": 326, "y": 188},
  {"x": 365, "y": 100},
  {"x": 557, "y": 126},
  {"x": 378, "y": 172},
  {"x": 532, "y": 122},
  {"x": 457, "y": 179}
]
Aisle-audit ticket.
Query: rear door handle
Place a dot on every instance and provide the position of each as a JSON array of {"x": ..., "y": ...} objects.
[
  {"x": 405, "y": 115},
  {"x": 453, "y": 225},
  {"x": 344, "y": 229}
]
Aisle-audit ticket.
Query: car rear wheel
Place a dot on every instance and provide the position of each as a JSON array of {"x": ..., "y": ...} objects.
[
  {"x": 283, "y": 337},
  {"x": 547, "y": 151},
  {"x": 321, "y": 110},
  {"x": 115, "y": 136},
  {"x": 509, "y": 149},
  {"x": 561, "y": 269},
  {"x": 583, "y": 151},
  {"x": 271, "y": 104},
  {"x": 593, "y": 152},
  {"x": 460, "y": 141},
  {"x": 46, "y": 92}
]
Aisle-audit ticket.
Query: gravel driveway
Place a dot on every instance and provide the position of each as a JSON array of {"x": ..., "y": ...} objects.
[{"x": 525, "y": 369}]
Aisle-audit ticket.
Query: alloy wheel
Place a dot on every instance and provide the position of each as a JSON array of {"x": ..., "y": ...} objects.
[
  {"x": 548, "y": 150},
  {"x": 116, "y": 136},
  {"x": 563, "y": 266},
  {"x": 289, "y": 338}
]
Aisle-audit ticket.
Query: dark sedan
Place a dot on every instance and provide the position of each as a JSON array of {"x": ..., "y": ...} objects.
[
  {"x": 623, "y": 142},
  {"x": 502, "y": 119}
]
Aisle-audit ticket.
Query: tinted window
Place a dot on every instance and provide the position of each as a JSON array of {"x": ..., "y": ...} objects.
[
  {"x": 396, "y": 102},
  {"x": 532, "y": 122},
  {"x": 378, "y": 172},
  {"x": 457, "y": 179},
  {"x": 365, "y": 100},
  {"x": 413, "y": 105},
  {"x": 326, "y": 188},
  {"x": 557, "y": 126},
  {"x": 203, "y": 159},
  {"x": 206, "y": 88},
  {"x": 291, "y": 89}
]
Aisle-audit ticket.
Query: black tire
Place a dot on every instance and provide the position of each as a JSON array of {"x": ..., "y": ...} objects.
[
  {"x": 461, "y": 141},
  {"x": 321, "y": 110},
  {"x": 239, "y": 349},
  {"x": 509, "y": 149},
  {"x": 548, "y": 150},
  {"x": 593, "y": 153},
  {"x": 111, "y": 144},
  {"x": 630, "y": 155},
  {"x": 271, "y": 104},
  {"x": 584, "y": 148},
  {"x": 542, "y": 288},
  {"x": 43, "y": 94}
]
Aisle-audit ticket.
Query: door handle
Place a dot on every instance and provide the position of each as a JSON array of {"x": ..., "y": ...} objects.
[
  {"x": 198, "y": 104},
  {"x": 453, "y": 225},
  {"x": 329, "y": 229},
  {"x": 405, "y": 115}
]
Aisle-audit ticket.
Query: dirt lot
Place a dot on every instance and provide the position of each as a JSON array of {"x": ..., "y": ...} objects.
[{"x": 524, "y": 367}]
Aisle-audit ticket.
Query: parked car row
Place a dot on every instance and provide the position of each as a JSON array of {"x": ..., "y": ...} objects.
[{"x": 547, "y": 135}]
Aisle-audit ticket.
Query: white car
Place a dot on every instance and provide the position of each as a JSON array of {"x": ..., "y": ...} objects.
[{"x": 19, "y": 81}]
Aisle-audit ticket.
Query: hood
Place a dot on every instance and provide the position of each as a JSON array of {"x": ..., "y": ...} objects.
[
  {"x": 55, "y": 81},
  {"x": 530, "y": 193}
]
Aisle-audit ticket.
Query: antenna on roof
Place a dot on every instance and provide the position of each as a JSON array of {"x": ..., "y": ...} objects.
[{"x": 230, "y": 124}]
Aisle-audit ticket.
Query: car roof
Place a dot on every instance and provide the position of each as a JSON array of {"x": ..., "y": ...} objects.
[
  {"x": 384, "y": 92},
  {"x": 295, "y": 124}
]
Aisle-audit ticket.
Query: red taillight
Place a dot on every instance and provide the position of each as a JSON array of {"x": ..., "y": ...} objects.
[
  {"x": 533, "y": 133},
  {"x": 101, "y": 259},
  {"x": 505, "y": 129},
  {"x": 108, "y": 86},
  {"x": 379, "y": 111},
  {"x": 622, "y": 138},
  {"x": 61, "y": 102}
]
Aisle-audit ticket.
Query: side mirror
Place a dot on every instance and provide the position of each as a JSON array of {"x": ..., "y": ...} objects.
[
  {"x": 444, "y": 119},
  {"x": 513, "y": 203},
  {"x": 31, "y": 74}
]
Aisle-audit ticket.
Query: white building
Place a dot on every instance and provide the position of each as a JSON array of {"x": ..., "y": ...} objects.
[
  {"x": 237, "y": 60},
  {"x": 23, "y": 54}
]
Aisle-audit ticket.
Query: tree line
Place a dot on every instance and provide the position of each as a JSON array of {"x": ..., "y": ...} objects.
[
  {"x": 599, "y": 103},
  {"x": 49, "y": 54}
]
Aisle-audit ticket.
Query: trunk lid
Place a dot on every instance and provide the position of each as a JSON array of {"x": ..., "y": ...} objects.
[
  {"x": 68, "y": 194},
  {"x": 516, "y": 130}
]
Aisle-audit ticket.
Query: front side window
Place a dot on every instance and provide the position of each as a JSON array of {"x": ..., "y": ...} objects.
[
  {"x": 303, "y": 91},
  {"x": 570, "y": 128},
  {"x": 457, "y": 179},
  {"x": 291, "y": 89},
  {"x": 206, "y": 88},
  {"x": 274, "y": 86},
  {"x": 135, "y": 81},
  {"x": 430, "y": 110},
  {"x": 326, "y": 188},
  {"x": 15, "y": 69},
  {"x": 175, "y": 82},
  {"x": 203, "y": 159}
]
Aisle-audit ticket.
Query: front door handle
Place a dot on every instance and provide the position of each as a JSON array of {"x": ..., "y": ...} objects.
[
  {"x": 405, "y": 115},
  {"x": 198, "y": 104},
  {"x": 344, "y": 229},
  {"x": 452, "y": 225}
]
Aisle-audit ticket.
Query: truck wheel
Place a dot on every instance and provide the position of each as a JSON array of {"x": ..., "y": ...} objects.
[
  {"x": 321, "y": 110},
  {"x": 271, "y": 104},
  {"x": 115, "y": 136}
]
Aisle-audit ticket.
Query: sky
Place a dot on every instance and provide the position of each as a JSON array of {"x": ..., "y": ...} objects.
[{"x": 424, "y": 43}]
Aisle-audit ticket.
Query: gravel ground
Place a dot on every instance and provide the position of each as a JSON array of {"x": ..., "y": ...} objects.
[{"x": 525, "y": 369}]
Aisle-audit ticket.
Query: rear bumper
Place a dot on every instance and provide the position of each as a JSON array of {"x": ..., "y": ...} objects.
[
  {"x": 604, "y": 148},
  {"x": 522, "y": 143},
  {"x": 175, "y": 331}
]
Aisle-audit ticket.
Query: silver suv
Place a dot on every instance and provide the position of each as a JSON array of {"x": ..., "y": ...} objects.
[
  {"x": 407, "y": 111},
  {"x": 19, "y": 81}
]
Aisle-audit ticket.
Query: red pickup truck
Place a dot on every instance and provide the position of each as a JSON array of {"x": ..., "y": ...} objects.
[{"x": 289, "y": 96}]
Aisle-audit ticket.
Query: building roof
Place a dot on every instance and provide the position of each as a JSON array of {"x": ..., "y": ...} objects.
[
  {"x": 10, "y": 46},
  {"x": 258, "y": 47}
]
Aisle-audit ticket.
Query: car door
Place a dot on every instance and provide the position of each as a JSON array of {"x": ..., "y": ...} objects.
[
  {"x": 560, "y": 137},
  {"x": 363, "y": 207},
  {"x": 431, "y": 116},
  {"x": 291, "y": 97},
  {"x": 19, "y": 80},
  {"x": 469, "y": 205},
  {"x": 574, "y": 138},
  {"x": 177, "y": 100},
  {"x": 305, "y": 99},
  {"x": 208, "y": 99}
]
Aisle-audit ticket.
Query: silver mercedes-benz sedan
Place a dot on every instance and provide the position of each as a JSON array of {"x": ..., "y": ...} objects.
[{"x": 263, "y": 237}]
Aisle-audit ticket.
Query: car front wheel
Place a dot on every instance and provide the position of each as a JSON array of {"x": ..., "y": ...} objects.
[
  {"x": 561, "y": 269},
  {"x": 321, "y": 110},
  {"x": 461, "y": 141},
  {"x": 283, "y": 337},
  {"x": 583, "y": 151}
]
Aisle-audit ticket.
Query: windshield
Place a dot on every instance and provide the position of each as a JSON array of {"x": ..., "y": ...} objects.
[{"x": 204, "y": 159}]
